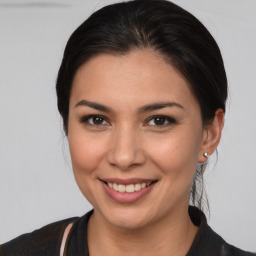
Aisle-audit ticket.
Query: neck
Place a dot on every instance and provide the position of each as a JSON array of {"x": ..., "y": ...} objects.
[{"x": 172, "y": 235}]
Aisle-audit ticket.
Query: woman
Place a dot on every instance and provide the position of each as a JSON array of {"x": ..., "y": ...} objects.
[{"x": 142, "y": 91}]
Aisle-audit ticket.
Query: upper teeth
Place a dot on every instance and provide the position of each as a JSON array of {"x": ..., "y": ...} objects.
[{"x": 130, "y": 188}]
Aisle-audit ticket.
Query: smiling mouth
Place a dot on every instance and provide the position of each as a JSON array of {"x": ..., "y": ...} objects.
[{"x": 129, "y": 188}]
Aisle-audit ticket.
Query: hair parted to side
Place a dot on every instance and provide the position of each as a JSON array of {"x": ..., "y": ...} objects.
[{"x": 164, "y": 27}]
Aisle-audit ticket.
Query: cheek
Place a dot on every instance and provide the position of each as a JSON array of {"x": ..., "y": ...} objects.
[
  {"x": 176, "y": 155},
  {"x": 86, "y": 152},
  {"x": 176, "y": 158}
]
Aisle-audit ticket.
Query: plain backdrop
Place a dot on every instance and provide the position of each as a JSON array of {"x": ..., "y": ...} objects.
[{"x": 36, "y": 181}]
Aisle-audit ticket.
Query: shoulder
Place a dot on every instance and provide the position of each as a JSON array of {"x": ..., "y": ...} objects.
[
  {"x": 208, "y": 242},
  {"x": 220, "y": 247},
  {"x": 44, "y": 241},
  {"x": 230, "y": 250}
]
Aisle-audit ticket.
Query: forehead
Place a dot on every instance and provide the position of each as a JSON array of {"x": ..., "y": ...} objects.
[{"x": 136, "y": 77}]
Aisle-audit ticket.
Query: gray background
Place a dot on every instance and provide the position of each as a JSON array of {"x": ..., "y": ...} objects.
[{"x": 36, "y": 181}]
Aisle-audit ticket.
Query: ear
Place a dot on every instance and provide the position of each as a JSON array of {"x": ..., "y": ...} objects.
[{"x": 211, "y": 135}]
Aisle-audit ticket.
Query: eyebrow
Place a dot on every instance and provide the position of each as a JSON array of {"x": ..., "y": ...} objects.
[
  {"x": 94, "y": 105},
  {"x": 158, "y": 105},
  {"x": 146, "y": 108}
]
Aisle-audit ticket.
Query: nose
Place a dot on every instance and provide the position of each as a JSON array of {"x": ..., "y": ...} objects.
[{"x": 126, "y": 149}]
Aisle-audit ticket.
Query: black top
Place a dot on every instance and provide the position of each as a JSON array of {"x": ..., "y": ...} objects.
[{"x": 47, "y": 240}]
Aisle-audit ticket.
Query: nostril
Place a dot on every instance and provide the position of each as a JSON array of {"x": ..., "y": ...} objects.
[{"x": 128, "y": 158}]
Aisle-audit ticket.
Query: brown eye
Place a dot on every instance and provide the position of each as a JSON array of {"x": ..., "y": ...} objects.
[
  {"x": 97, "y": 120},
  {"x": 94, "y": 120},
  {"x": 160, "y": 121}
]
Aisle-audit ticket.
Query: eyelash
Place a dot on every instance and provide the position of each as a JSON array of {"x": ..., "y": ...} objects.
[
  {"x": 167, "y": 120},
  {"x": 85, "y": 120}
]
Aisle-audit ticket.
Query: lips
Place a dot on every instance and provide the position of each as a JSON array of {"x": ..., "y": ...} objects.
[{"x": 127, "y": 191}]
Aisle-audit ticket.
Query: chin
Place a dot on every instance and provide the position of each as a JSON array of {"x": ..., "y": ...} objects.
[
  {"x": 127, "y": 218},
  {"x": 128, "y": 223}
]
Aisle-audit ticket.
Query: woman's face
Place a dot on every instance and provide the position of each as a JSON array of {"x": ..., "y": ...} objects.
[{"x": 135, "y": 135}]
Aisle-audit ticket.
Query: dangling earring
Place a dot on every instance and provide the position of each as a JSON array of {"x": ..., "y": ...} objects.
[{"x": 205, "y": 154}]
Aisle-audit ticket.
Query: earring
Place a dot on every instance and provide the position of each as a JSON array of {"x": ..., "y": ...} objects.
[{"x": 205, "y": 154}]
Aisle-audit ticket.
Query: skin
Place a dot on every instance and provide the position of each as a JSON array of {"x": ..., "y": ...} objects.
[{"x": 129, "y": 142}]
